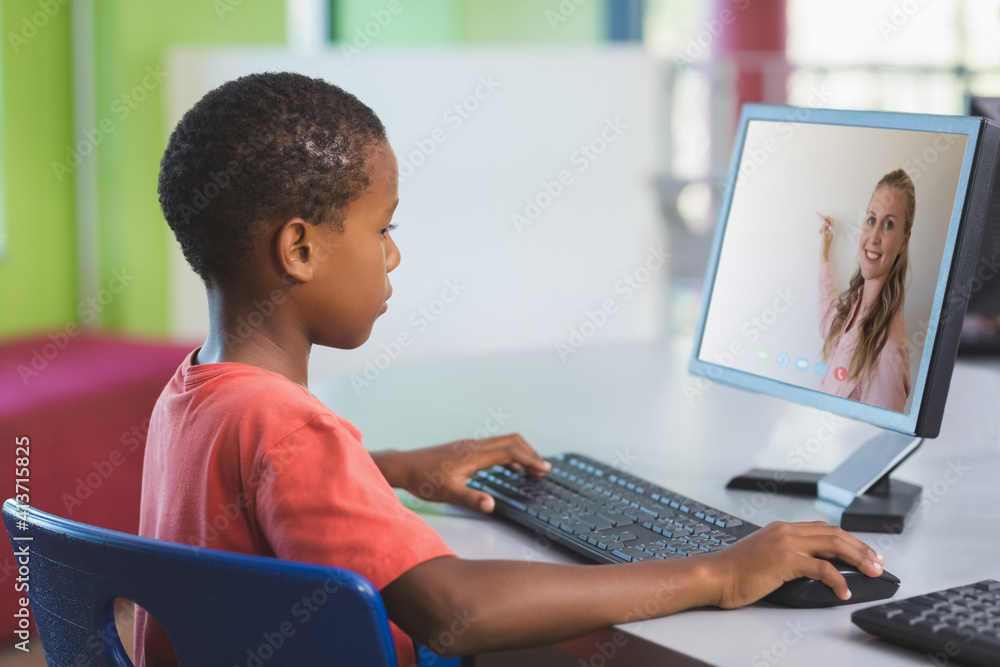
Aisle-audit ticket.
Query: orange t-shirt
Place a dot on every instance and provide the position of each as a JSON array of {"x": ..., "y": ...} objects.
[{"x": 242, "y": 459}]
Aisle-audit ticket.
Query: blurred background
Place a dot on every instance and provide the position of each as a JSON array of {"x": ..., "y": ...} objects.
[
  {"x": 89, "y": 98},
  {"x": 556, "y": 155}
]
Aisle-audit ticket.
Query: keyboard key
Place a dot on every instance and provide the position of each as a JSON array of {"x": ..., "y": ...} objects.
[
  {"x": 593, "y": 522},
  {"x": 624, "y": 536},
  {"x": 909, "y": 617},
  {"x": 917, "y": 604},
  {"x": 652, "y": 511},
  {"x": 504, "y": 496},
  {"x": 617, "y": 519},
  {"x": 628, "y": 553},
  {"x": 664, "y": 529},
  {"x": 573, "y": 527}
]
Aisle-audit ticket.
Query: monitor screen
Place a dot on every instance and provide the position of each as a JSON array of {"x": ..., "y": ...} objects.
[{"x": 834, "y": 255}]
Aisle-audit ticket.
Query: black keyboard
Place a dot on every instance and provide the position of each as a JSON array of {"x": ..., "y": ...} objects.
[
  {"x": 958, "y": 625},
  {"x": 608, "y": 515}
]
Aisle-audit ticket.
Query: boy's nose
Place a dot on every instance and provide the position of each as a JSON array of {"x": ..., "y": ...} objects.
[{"x": 392, "y": 257}]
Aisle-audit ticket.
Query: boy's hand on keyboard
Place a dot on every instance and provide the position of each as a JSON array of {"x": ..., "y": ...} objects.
[
  {"x": 440, "y": 473},
  {"x": 780, "y": 552}
]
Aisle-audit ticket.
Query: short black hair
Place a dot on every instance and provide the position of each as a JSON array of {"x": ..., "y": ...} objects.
[{"x": 259, "y": 149}]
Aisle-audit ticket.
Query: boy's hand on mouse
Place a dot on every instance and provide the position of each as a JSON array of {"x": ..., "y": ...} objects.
[
  {"x": 440, "y": 473},
  {"x": 756, "y": 565}
]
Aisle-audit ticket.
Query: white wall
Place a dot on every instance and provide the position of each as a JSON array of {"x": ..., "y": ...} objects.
[
  {"x": 788, "y": 174},
  {"x": 524, "y": 287}
]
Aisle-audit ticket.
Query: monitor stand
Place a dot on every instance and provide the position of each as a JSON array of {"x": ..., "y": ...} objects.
[{"x": 871, "y": 501}]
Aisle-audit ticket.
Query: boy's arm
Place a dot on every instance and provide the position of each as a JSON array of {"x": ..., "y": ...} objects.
[
  {"x": 439, "y": 473},
  {"x": 457, "y": 606}
]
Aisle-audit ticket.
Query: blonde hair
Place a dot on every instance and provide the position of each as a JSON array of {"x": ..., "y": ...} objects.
[{"x": 875, "y": 326}]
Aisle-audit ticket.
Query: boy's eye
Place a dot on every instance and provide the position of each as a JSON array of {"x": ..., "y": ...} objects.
[{"x": 387, "y": 229}]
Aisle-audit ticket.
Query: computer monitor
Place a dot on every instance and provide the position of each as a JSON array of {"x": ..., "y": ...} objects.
[
  {"x": 826, "y": 290},
  {"x": 981, "y": 327}
]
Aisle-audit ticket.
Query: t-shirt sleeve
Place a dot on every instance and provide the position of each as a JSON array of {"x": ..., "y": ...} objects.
[{"x": 320, "y": 498}]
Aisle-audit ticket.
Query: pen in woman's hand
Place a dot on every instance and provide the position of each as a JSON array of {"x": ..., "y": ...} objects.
[{"x": 829, "y": 227}]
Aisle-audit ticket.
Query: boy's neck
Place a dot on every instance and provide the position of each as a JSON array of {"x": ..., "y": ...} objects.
[{"x": 239, "y": 331}]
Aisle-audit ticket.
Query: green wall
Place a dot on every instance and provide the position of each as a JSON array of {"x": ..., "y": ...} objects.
[
  {"x": 38, "y": 260},
  {"x": 38, "y": 268},
  {"x": 464, "y": 21},
  {"x": 531, "y": 21},
  {"x": 132, "y": 39}
]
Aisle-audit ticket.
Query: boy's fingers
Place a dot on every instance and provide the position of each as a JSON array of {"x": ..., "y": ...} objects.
[
  {"x": 826, "y": 572},
  {"x": 478, "y": 501},
  {"x": 855, "y": 552},
  {"x": 837, "y": 543},
  {"x": 516, "y": 452}
]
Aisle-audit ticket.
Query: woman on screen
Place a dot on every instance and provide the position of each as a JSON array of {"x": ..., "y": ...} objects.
[{"x": 865, "y": 349}]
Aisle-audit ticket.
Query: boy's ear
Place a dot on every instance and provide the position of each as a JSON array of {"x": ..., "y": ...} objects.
[{"x": 295, "y": 250}]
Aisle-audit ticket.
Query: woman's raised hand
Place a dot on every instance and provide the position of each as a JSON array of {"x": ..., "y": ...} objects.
[{"x": 827, "y": 230}]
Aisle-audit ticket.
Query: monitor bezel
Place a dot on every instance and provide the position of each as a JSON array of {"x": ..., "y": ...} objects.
[{"x": 956, "y": 251}]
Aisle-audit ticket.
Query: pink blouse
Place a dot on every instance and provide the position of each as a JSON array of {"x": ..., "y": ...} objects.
[{"x": 889, "y": 384}]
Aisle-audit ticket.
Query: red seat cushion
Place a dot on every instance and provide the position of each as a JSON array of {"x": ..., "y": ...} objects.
[{"x": 84, "y": 403}]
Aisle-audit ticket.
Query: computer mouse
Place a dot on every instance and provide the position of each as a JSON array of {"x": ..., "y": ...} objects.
[{"x": 811, "y": 593}]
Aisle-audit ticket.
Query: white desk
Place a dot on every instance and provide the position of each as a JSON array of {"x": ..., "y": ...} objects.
[{"x": 629, "y": 404}]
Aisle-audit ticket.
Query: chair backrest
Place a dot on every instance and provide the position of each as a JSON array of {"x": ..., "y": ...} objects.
[{"x": 218, "y": 608}]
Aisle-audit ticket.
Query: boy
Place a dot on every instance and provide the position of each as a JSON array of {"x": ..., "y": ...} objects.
[{"x": 280, "y": 189}]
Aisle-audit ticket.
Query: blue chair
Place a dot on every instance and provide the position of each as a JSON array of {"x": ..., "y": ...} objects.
[{"x": 218, "y": 608}]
